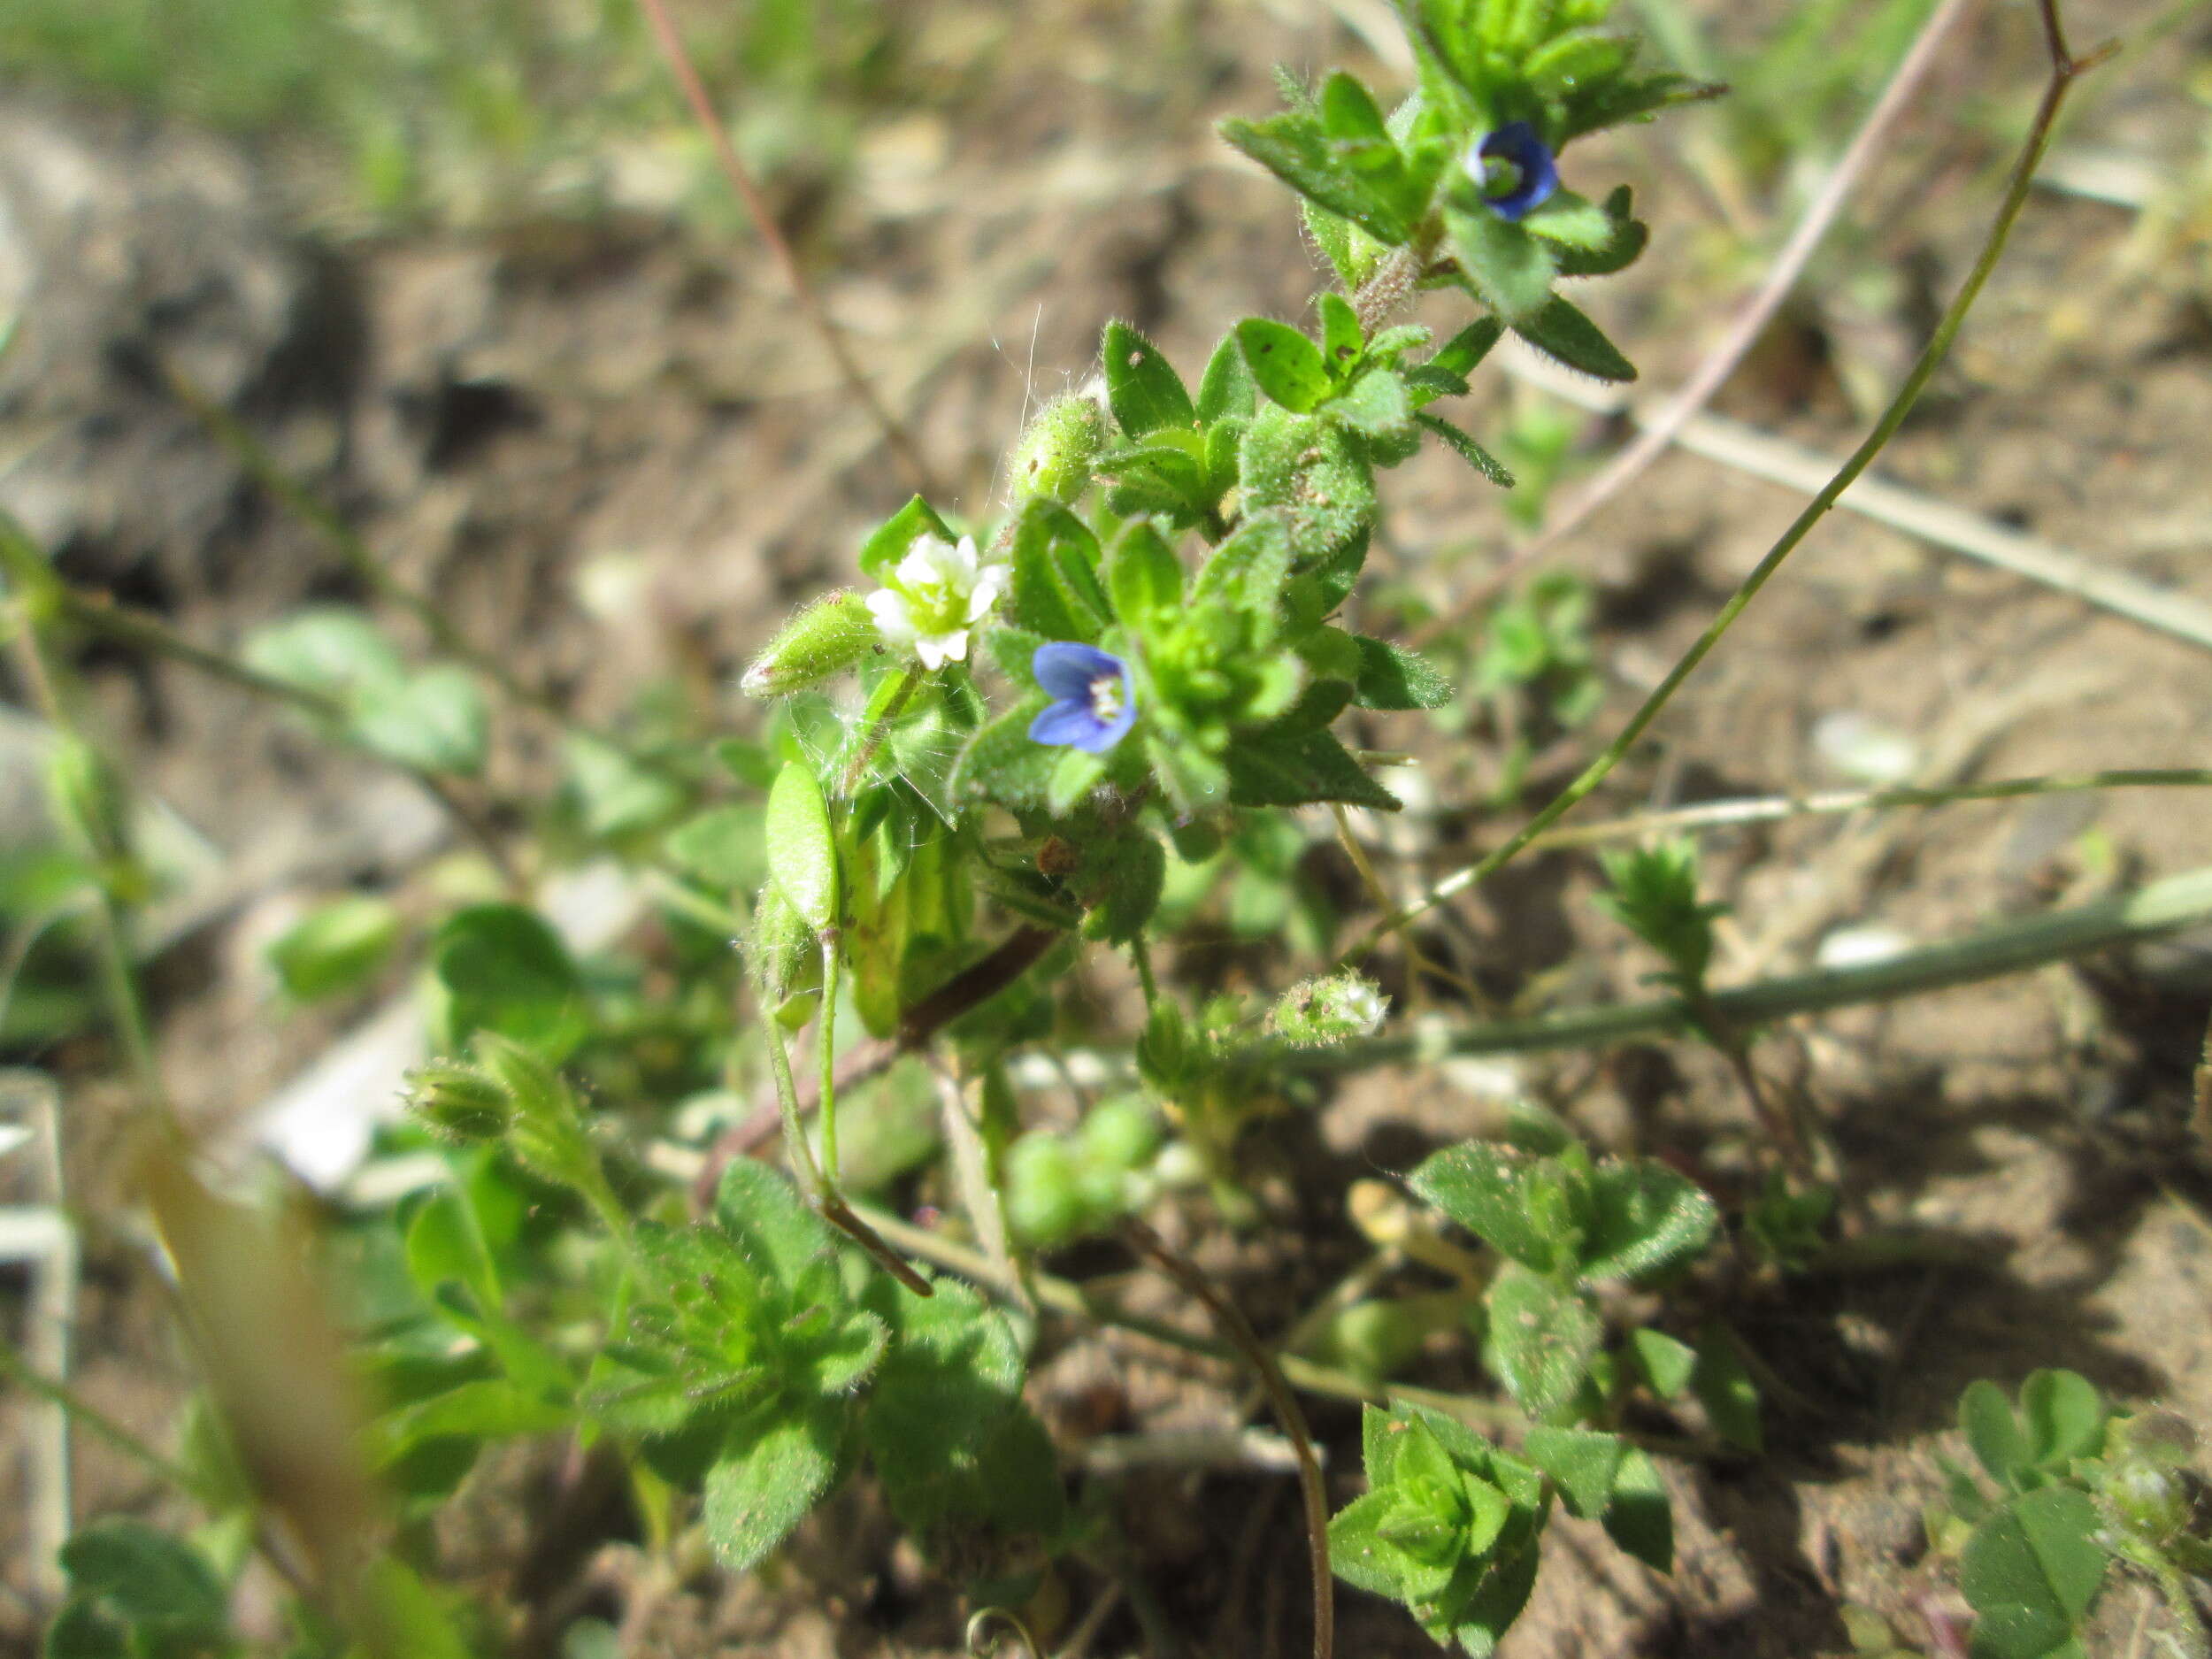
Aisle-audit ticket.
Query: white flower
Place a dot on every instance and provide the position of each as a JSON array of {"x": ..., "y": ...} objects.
[{"x": 934, "y": 595}]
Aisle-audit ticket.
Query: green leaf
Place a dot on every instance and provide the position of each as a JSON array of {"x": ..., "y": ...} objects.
[
  {"x": 2065, "y": 1417},
  {"x": 1489, "y": 1190},
  {"x": 761, "y": 1212},
  {"x": 1278, "y": 766},
  {"x": 1056, "y": 591},
  {"x": 1143, "y": 575},
  {"x": 1226, "y": 391},
  {"x": 1509, "y": 270},
  {"x": 1307, "y": 469},
  {"x": 1543, "y": 1335},
  {"x": 1392, "y": 677},
  {"x": 801, "y": 850},
  {"x": 1002, "y": 763},
  {"x": 1641, "y": 1518},
  {"x": 444, "y": 1245},
  {"x": 1571, "y": 221},
  {"x": 434, "y": 721},
  {"x": 1497, "y": 1601},
  {"x": 896, "y": 537},
  {"x": 1379, "y": 409},
  {"x": 725, "y": 847},
  {"x": 1467, "y": 450},
  {"x": 1196, "y": 781},
  {"x": 1296, "y": 148},
  {"x": 1357, "y": 1554},
  {"x": 1561, "y": 331},
  {"x": 2030, "y": 1572},
  {"x": 328, "y": 649},
  {"x": 1667, "y": 1364},
  {"x": 415, "y": 1619},
  {"x": 1469, "y": 347},
  {"x": 148, "y": 1579},
  {"x": 336, "y": 947},
  {"x": 765, "y": 1482},
  {"x": 1993, "y": 1431},
  {"x": 1725, "y": 1388},
  {"x": 1624, "y": 244},
  {"x": 1074, "y": 778},
  {"x": 1141, "y": 387},
  {"x": 618, "y": 797},
  {"x": 1251, "y": 565},
  {"x": 1132, "y": 877},
  {"x": 944, "y": 1424},
  {"x": 1647, "y": 1218},
  {"x": 1342, "y": 343},
  {"x": 1285, "y": 364},
  {"x": 488, "y": 1408},
  {"x": 81, "y": 1631},
  {"x": 502, "y": 969},
  {"x": 1583, "y": 1461}
]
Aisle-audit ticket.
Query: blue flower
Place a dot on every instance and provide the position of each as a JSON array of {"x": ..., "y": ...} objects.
[
  {"x": 1513, "y": 170},
  {"x": 1093, "y": 705}
]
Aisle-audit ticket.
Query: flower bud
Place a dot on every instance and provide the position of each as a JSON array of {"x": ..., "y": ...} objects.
[
  {"x": 1053, "y": 457},
  {"x": 458, "y": 1102},
  {"x": 1323, "y": 1011},
  {"x": 822, "y": 641}
]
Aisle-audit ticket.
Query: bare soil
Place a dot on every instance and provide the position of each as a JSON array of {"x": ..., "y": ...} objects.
[{"x": 613, "y": 450}]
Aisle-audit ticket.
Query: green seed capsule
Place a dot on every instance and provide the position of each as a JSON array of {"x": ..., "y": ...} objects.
[
  {"x": 1044, "y": 1193},
  {"x": 1053, "y": 457},
  {"x": 823, "y": 641},
  {"x": 458, "y": 1102}
]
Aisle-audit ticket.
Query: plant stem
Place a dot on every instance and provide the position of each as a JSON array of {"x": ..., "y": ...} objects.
[
  {"x": 1992, "y": 953},
  {"x": 135, "y": 628},
  {"x": 900, "y": 441},
  {"x": 833, "y": 966},
  {"x": 1140, "y": 953},
  {"x": 1247, "y": 1342},
  {"x": 1073, "y": 1302},
  {"x": 372, "y": 572},
  {"x": 872, "y": 738},
  {"x": 2064, "y": 69},
  {"x": 167, "y": 1469},
  {"x": 1776, "y": 809},
  {"x": 970, "y": 988}
]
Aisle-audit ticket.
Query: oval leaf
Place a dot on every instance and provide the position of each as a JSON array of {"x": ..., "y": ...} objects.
[{"x": 801, "y": 852}]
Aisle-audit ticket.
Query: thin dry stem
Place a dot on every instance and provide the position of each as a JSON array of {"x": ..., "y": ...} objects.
[
  {"x": 1233, "y": 1325},
  {"x": 900, "y": 441}
]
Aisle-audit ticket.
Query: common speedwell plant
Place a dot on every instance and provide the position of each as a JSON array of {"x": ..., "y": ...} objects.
[{"x": 1010, "y": 740}]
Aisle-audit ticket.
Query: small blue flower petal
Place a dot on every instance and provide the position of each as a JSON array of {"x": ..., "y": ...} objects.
[
  {"x": 1538, "y": 175},
  {"x": 1066, "y": 670},
  {"x": 1082, "y": 681},
  {"x": 1068, "y": 724}
]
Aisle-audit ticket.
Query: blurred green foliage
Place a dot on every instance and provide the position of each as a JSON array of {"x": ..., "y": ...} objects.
[{"x": 471, "y": 110}]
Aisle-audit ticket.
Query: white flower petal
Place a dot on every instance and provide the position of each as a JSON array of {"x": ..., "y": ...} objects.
[{"x": 894, "y": 618}]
